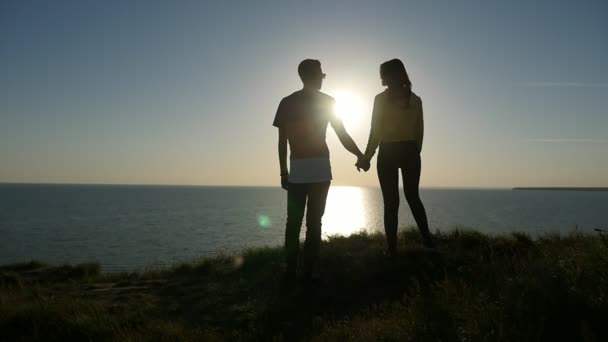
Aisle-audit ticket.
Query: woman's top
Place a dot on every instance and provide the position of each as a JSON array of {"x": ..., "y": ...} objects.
[{"x": 394, "y": 119}]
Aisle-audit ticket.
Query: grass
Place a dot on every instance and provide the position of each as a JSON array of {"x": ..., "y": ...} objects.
[{"x": 474, "y": 287}]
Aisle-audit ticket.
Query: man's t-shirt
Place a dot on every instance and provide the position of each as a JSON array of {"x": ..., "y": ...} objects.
[{"x": 304, "y": 115}]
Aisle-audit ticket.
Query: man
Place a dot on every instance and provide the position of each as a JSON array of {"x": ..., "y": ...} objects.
[{"x": 302, "y": 120}]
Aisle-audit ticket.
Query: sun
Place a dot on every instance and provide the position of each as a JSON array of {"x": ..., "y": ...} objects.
[{"x": 348, "y": 107}]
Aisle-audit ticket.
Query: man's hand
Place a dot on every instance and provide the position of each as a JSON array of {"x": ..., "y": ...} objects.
[
  {"x": 363, "y": 164},
  {"x": 284, "y": 182}
]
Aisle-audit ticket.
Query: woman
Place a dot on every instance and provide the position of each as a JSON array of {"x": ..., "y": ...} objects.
[{"x": 397, "y": 127}]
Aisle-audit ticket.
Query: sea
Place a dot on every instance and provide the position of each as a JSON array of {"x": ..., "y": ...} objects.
[{"x": 138, "y": 227}]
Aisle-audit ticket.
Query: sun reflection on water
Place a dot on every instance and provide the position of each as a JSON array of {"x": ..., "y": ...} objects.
[{"x": 345, "y": 212}]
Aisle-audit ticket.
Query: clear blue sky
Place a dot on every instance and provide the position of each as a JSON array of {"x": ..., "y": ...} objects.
[{"x": 184, "y": 92}]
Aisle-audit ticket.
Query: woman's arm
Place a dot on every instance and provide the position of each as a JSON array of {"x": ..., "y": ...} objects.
[
  {"x": 374, "y": 132},
  {"x": 420, "y": 129}
]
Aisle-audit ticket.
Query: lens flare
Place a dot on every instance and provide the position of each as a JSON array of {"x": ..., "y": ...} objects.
[
  {"x": 238, "y": 261},
  {"x": 264, "y": 221}
]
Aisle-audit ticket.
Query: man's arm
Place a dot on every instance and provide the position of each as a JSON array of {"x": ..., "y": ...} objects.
[
  {"x": 345, "y": 138},
  {"x": 283, "y": 157}
]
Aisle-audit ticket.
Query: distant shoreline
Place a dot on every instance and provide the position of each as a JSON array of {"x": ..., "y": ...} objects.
[{"x": 560, "y": 189}]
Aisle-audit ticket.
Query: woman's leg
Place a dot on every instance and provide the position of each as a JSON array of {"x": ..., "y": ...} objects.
[
  {"x": 411, "y": 181},
  {"x": 388, "y": 175}
]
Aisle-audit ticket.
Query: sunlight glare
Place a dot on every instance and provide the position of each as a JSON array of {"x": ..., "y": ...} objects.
[
  {"x": 345, "y": 211},
  {"x": 348, "y": 107}
]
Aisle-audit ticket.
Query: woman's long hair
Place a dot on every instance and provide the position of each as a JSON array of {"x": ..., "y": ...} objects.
[{"x": 394, "y": 75}]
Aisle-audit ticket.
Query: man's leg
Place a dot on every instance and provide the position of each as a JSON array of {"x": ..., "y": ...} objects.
[
  {"x": 296, "y": 202},
  {"x": 317, "y": 198}
]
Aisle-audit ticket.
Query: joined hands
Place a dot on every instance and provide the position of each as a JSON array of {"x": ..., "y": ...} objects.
[{"x": 363, "y": 163}]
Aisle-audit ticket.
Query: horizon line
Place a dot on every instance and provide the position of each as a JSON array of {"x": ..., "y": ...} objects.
[{"x": 231, "y": 185}]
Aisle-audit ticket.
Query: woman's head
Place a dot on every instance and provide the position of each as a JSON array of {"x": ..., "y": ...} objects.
[{"x": 393, "y": 74}]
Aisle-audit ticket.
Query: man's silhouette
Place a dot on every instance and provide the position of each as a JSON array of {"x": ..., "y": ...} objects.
[{"x": 302, "y": 119}]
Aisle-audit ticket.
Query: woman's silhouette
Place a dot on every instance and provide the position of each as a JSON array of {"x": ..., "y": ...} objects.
[{"x": 397, "y": 127}]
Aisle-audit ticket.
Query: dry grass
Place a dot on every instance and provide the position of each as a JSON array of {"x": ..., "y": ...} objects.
[{"x": 474, "y": 287}]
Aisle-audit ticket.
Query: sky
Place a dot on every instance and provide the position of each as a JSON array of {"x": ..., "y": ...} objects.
[{"x": 184, "y": 92}]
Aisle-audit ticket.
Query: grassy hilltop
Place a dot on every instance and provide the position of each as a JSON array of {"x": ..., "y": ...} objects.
[{"x": 474, "y": 287}]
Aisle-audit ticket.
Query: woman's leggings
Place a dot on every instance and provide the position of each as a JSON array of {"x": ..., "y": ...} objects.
[{"x": 392, "y": 157}]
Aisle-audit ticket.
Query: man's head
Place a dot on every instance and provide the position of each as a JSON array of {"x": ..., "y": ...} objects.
[{"x": 311, "y": 74}]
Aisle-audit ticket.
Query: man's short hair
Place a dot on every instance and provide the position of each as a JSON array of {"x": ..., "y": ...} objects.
[{"x": 309, "y": 69}]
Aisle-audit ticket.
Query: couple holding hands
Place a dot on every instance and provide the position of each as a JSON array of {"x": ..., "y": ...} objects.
[{"x": 397, "y": 129}]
